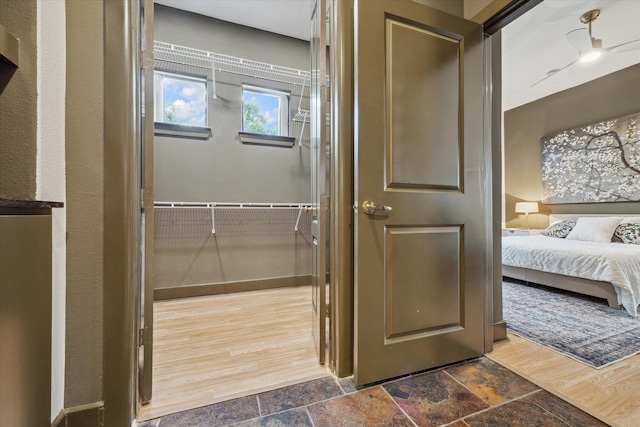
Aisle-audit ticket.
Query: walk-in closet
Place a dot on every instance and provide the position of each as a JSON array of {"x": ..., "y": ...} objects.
[{"x": 233, "y": 212}]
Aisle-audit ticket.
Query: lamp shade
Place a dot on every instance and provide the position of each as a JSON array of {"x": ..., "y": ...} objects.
[{"x": 527, "y": 207}]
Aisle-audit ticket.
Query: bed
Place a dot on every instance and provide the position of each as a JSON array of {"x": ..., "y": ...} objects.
[{"x": 604, "y": 270}]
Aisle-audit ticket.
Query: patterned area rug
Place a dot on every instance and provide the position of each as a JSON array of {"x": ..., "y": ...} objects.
[{"x": 581, "y": 327}]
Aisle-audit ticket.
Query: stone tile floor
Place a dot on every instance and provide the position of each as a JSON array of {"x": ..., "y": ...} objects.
[{"x": 473, "y": 393}]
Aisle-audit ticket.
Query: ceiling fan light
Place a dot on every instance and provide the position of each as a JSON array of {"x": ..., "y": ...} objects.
[{"x": 590, "y": 55}]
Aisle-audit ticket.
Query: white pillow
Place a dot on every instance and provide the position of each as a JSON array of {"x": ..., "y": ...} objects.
[{"x": 594, "y": 229}]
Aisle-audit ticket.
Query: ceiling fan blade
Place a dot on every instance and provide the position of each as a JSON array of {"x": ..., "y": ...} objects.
[
  {"x": 580, "y": 39},
  {"x": 625, "y": 47},
  {"x": 554, "y": 72}
]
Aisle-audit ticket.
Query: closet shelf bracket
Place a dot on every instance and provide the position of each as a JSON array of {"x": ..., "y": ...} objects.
[
  {"x": 213, "y": 218},
  {"x": 298, "y": 219}
]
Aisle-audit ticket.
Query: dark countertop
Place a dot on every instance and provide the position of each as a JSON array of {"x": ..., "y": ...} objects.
[{"x": 28, "y": 204}]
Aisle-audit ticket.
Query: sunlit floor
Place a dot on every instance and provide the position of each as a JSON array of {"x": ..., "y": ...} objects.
[{"x": 214, "y": 348}]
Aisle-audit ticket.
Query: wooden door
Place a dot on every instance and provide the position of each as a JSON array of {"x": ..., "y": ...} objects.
[{"x": 419, "y": 236}]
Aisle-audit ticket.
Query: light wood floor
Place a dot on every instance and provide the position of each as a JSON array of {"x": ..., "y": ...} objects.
[
  {"x": 611, "y": 394},
  {"x": 215, "y": 348}
]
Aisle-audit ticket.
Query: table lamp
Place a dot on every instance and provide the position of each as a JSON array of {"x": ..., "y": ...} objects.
[{"x": 526, "y": 207}]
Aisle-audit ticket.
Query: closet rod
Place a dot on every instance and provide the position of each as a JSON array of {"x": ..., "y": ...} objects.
[
  {"x": 300, "y": 207},
  {"x": 231, "y": 205}
]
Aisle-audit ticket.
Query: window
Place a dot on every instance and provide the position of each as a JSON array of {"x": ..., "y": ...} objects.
[
  {"x": 265, "y": 111},
  {"x": 180, "y": 99}
]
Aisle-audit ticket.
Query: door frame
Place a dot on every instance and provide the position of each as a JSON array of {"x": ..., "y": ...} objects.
[
  {"x": 121, "y": 292},
  {"x": 318, "y": 162},
  {"x": 120, "y": 287}
]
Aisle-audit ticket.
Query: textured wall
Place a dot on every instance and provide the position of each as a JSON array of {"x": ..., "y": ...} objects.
[
  {"x": 18, "y": 108},
  {"x": 609, "y": 97},
  {"x": 84, "y": 165}
]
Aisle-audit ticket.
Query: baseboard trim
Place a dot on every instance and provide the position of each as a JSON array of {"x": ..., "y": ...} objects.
[
  {"x": 60, "y": 420},
  {"x": 89, "y": 415},
  {"x": 500, "y": 331},
  {"x": 229, "y": 287}
]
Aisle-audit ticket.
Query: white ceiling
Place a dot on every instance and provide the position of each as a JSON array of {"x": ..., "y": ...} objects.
[
  {"x": 287, "y": 17},
  {"x": 532, "y": 45},
  {"x": 536, "y": 43}
]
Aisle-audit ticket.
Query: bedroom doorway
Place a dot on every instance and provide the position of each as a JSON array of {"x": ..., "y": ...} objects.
[{"x": 544, "y": 92}]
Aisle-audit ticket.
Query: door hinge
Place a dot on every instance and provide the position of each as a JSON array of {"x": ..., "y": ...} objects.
[
  {"x": 325, "y": 201},
  {"x": 142, "y": 198},
  {"x": 325, "y": 93},
  {"x": 327, "y": 312},
  {"x": 143, "y": 336},
  {"x": 146, "y": 60}
]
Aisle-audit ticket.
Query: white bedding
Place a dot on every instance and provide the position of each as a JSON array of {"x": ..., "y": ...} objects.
[{"x": 616, "y": 263}]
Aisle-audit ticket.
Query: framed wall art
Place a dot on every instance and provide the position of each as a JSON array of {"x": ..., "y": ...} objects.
[{"x": 593, "y": 164}]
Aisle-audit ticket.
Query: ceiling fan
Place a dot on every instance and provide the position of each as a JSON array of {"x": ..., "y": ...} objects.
[{"x": 589, "y": 47}]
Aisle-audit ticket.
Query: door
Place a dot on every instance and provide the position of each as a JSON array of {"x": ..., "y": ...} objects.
[
  {"x": 319, "y": 197},
  {"x": 418, "y": 186},
  {"x": 145, "y": 341}
]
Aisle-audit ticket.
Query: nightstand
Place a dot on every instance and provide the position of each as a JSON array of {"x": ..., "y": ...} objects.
[{"x": 508, "y": 232}]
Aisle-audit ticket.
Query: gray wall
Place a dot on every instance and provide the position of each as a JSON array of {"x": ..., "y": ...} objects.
[
  {"x": 248, "y": 244},
  {"x": 18, "y": 104},
  {"x": 201, "y": 32},
  {"x": 612, "y": 96},
  {"x": 222, "y": 169}
]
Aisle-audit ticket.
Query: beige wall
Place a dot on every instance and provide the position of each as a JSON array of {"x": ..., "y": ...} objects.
[
  {"x": 453, "y": 7},
  {"x": 481, "y": 10},
  {"x": 18, "y": 104},
  {"x": 84, "y": 172},
  {"x": 609, "y": 97}
]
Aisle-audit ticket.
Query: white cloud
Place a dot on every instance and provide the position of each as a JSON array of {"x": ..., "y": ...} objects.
[
  {"x": 271, "y": 116},
  {"x": 187, "y": 112},
  {"x": 191, "y": 91}
]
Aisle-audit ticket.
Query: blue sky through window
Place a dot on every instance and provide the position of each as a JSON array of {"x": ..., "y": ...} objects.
[{"x": 184, "y": 101}]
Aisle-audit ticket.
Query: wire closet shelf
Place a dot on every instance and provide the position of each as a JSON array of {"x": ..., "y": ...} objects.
[
  {"x": 166, "y": 52},
  {"x": 210, "y": 62}
]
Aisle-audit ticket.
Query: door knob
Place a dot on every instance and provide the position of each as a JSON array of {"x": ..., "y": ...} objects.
[{"x": 370, "y": 207}]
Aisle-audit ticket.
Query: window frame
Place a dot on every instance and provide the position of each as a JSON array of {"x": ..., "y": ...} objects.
[
  {"x": 164, "y": 128},
  {"x": 284, "y": 110}
]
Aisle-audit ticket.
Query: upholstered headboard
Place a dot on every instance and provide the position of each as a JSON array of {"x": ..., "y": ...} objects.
[{"x": 560, "y": 217}]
